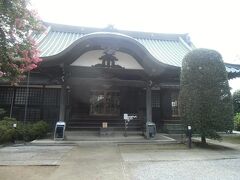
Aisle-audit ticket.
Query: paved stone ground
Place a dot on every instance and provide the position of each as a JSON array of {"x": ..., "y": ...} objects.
[
  {"x": 33, "y": 155},
  {"x": 202, "y": 170},
  {"x": 104, "y": 160},
  {"x": 154, "y": 163},
  {"x": 116, "y": 137}
]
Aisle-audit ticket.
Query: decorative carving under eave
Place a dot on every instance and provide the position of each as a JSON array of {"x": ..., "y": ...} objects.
[{"x": 108, "y": 59}]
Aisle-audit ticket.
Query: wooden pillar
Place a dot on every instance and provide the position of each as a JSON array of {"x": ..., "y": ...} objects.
[
  {"x": 62, "y": 103},
  {"x": 42, "y": 106},
  {"x": 12, "y": 101},
  {"x": 148, "y": 104}
]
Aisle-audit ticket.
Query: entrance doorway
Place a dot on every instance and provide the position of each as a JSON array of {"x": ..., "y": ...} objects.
[{"x": 91, "y": 106}]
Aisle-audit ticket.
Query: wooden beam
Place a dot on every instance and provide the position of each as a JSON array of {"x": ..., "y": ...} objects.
[
  {"x": 62, "y": 103},
  {"x": 101, "y": 81}
]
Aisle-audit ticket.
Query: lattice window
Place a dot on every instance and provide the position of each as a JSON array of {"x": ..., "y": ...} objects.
[
  {"x": 51, "y": 114},
  {"x": 6, "y": 95},
  {"x": 155, "y": 99},
  {"x": 105, "y": 102},
  {"x": 51, "y": 97},
  {"x": 21, "y": 96},
  {"x": 35, "y": 96},
  {"x": 33, "y": 114}
]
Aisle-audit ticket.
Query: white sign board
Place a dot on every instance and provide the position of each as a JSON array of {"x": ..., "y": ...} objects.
[
  {"x": 104, "y": 125},
  {"x": 125, "y": 116}
]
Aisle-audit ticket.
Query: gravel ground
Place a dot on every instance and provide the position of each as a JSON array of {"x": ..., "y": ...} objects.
[{"x": 224, "y": 169}]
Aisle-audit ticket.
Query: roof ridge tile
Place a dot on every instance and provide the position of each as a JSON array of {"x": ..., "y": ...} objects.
[{"x": 134, "y": 34}]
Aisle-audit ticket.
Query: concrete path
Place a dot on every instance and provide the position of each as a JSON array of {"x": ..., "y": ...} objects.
[
  {"x": 32, "y": 155},
  {"x": 107, "y": 160},
  {"x": 132, "y": 137}
]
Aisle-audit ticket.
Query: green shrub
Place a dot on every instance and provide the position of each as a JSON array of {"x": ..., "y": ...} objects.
[
  {"x": 41, "y": 129},
  {"x": 205, "y": 100},
  {"x": 9, "y": 119},
  {"x": 37, "y": 130},
  {"x": 236, "y": 101},
  {"x": 26, "y": 132},
  {"x": 237, "y": 122},
  {"x": 7, "y": 131}
]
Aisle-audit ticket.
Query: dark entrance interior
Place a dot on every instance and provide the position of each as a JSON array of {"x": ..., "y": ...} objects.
[{"x": 90, "y": 106}]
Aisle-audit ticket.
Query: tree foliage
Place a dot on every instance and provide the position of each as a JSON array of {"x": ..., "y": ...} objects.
[
  {"x": 18, "y": 51},
  {"x": 205, "y": 98},
  {"x": 237, "y": 122},
  {"x": 236, "y": 101}
]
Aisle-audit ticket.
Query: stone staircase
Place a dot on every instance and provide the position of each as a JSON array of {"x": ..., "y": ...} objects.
[
  {"x": 173, "y": 126},
  {"x": 94, "y": 123}
]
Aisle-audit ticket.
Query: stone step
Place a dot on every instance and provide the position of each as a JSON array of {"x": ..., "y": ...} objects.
[
  {"x": 100, "y": 123},
  {"x": 174, "y": 128},
  {"x": 95, "y": 128}
]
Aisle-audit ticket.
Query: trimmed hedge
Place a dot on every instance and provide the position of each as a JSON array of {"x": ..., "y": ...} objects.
[
  {"x": 237, "y": 122},
  {"x": 26, "y": 132},
  {"x": 236, "y": 101},
  {"x": 205, "y": 101}
]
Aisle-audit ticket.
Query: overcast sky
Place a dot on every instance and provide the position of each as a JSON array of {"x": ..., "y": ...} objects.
[{"x": 211, "y": 24}]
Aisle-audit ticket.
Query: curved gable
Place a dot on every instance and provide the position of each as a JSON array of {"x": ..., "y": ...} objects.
[{"x": 91, "y": 58}]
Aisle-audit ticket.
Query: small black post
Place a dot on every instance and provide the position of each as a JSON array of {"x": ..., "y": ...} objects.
[
  {"x": 189, "y": 128},
  {"x": 125, "y": 131},
  {"x": 15, "y": 134}
]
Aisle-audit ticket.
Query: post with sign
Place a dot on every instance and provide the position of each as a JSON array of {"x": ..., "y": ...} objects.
[
  {"x": 15, "y": 127},
  {"x": 127, "y": 118},
  {"x": 189, "y": 132}
]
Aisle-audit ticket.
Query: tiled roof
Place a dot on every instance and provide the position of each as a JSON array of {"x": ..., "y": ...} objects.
[
  {"x": 166, "y": 48},
  {"x": 233, "y": 70}
]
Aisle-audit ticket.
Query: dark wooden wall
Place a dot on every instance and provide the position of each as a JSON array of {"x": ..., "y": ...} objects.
[
  {"x": 166, "y": 108},
  {"x": 156, "y": 107},
  {"x": 132, "y": 100},
  {"x": 43, "y": 103},
  {"x": 79, "y": 100}
]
